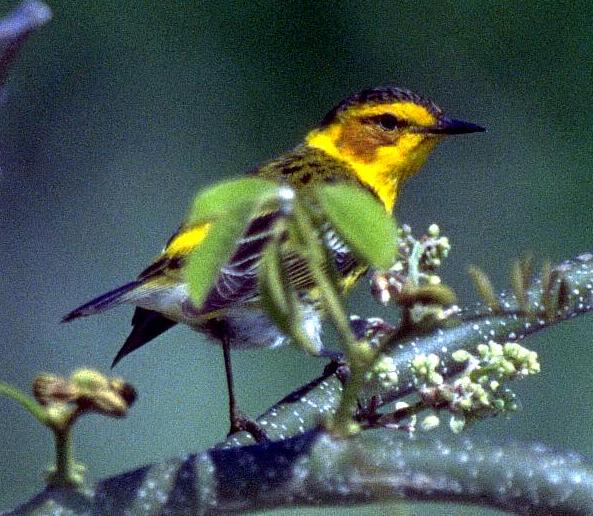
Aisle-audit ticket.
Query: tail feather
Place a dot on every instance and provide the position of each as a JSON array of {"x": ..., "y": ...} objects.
[
  {"x": 103, "y": 302},
  {"x": 147, "y": 325}
]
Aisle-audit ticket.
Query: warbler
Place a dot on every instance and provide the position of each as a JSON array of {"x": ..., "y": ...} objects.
[{"x": 375, "y": 139}]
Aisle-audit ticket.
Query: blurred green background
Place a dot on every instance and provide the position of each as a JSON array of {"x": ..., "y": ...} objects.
[{"x": 119, "y": 111}]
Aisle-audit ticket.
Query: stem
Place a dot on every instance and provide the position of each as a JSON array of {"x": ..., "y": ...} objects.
[
  {"x": 333, "y": 304},
  {"x": 64, "y": 475},
  {"x": 414, "y": 264},
  {"x": 348, "y": 402},
  {"x": 67, "y": 472},
  {"x": 28, "y": 403},
  {"x": 330, "y": 296},
  {"x": 358, "y": 356},
  {"x": 60, "y": 423},
  {"x": 343, "y": 419}
]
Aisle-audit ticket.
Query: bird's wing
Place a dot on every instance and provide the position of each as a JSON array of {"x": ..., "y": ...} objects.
[
  {"x": 174, "y": 256},
  {"x": 237, "y": 282}
]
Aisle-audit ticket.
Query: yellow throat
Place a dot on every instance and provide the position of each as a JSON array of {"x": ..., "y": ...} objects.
[{"x": 379, "y": 162}]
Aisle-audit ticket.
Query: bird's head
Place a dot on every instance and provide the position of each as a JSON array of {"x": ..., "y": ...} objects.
[{"x": 385, "y": 134}]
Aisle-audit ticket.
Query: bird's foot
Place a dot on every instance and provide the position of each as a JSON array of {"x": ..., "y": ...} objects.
[
  {"x": 339, "y": 367},
  {"x": 243, "y": 423}
]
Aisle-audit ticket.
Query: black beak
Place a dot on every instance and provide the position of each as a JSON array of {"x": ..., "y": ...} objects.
[{"x": 447, "y": 125}]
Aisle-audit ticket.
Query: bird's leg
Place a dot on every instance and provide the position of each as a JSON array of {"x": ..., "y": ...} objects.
[
  {"x": 239, "y": 422},
  {"x": 228, "y": 368},
  {"x": 337, "y": 366}
]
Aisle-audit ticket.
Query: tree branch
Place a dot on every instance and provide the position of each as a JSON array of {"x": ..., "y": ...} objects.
[
  {"x": 15, "y": 28},
  {"x": 306, "y": 407},
  {"x": 314, "y": 469},
  {"x": 305, "y": 466}
]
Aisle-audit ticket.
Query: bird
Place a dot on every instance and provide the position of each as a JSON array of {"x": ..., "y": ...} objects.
[{"x": 374, "y": 139}]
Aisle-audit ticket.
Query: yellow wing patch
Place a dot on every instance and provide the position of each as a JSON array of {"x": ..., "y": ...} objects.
[
  {"x": 186, "y": 239},
  {"x": 175, "y": 252}
]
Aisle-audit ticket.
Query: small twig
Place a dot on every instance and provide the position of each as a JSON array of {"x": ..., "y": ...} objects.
[
  {"x": 485, "y": 289},
  {"x": 28, "y": 403},
  {"x": 549, "y": 280},
  {"x": 563, "y": 294},
  {"x": 358, "y": 361},
  {"x": 15, "y": 28}
]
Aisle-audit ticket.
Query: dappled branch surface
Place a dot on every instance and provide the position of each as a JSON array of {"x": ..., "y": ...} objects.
[
  {"x": 305, "y": 466},
  {"x": 314, "y": 469},
  {"x": 305, "y": 408}
]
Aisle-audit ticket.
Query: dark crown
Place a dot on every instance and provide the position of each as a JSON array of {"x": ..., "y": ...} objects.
[{"x": 380, "y": 95}]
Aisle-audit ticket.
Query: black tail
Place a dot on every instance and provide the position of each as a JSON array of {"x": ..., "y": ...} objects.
[
  {"x": 103, "y": 302},
  {"x": 148, "y": 324}
]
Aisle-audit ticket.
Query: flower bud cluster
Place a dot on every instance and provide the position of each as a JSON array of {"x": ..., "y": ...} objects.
[
  {"x": 479, "y": 392},
  {"x": 415, "y": 267},
  {"x": 85, "y": 390},
  {"x": 383, "y": 373},
  {"x": 424, "y": 369},
  {"x": 436, "y": 248}
]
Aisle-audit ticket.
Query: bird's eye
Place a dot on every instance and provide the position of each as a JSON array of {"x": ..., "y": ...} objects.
[{"x": 389, "y": 122}]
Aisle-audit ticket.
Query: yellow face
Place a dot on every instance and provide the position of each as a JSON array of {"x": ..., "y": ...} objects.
[{"x": 383, "y": 143}]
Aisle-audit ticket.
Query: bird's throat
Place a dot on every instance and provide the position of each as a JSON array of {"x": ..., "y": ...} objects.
[{"x": 387, "y": 169}]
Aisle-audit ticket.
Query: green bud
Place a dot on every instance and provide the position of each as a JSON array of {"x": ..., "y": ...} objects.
[
  {"x": 496, "y": 349},
  {"x": 483, "y": 399},
  {"x": 457, "y": 423},
  {"x": 482, "y": 380},
  {"x": 430, "y": 422},
  {"x": 447, "y": 394},
  {"x": 461, "y": 355},
  {"x": 465, "y": 404},
  {"x": 434, "y": 378},
  {"x": 483, "y": 350},
  {"x": 384, "y": 371},
  {"x": 433, "y": 361},
  {"x": 444, "y": 245},
  {"x": 89, "y": 380},
  {"x": 508, "y": 368},
  {"x": 108, "y": 403},
  {"x": 499, "y": 404},
  {"x": 433, "y": 279},
  {"x": 464, "y": 382},
  {"x": 533, "y": 365}
]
